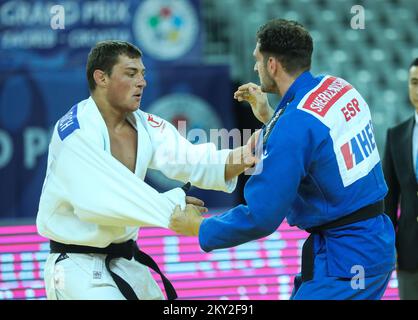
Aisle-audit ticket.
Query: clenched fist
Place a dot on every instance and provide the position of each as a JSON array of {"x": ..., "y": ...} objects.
[{"x": 260, "y": 106}]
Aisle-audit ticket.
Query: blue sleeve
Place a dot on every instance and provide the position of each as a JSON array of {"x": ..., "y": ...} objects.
[{"x": 270, "y": 194}]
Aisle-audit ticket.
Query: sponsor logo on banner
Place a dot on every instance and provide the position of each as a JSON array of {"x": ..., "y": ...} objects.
[
  {"x": 166, "y": 30},
  {"x": 323, "y": 98}
]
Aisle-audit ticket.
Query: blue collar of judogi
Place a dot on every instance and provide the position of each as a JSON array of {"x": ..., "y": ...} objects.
[{"x": 304, "y": 79}]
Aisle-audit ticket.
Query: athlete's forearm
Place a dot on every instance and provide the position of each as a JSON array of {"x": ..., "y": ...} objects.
[{"x": 239, "y": 159}]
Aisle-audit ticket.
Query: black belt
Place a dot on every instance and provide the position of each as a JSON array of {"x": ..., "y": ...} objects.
[
  {"x": 125, "y": 250},
  {"x": 308, "y": 254}
]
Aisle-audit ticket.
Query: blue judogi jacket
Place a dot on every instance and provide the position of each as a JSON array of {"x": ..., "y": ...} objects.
[{"x": 319, "y": 163}]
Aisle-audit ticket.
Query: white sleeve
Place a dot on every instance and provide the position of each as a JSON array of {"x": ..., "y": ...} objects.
[
  {"x": 202, "y": 164},
  {"x": 105, "y": 192}
]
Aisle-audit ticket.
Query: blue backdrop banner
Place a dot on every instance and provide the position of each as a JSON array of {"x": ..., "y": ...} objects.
[{"x": 41, "y": 35}]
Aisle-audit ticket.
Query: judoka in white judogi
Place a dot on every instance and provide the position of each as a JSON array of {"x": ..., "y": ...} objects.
[{"x": 89, "y": 198}]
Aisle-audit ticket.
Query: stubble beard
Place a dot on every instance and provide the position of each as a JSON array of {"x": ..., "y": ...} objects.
[{"x": 268, "y": 85}]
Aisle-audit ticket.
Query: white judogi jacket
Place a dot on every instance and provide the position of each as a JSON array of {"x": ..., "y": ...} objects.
[{"x": 89, "y": 198}]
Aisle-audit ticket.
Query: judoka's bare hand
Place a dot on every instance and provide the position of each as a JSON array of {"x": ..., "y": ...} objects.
[
  {"x": 249, "y": 153},
  {"x": 186, "y": 222},
  {"x": 197, "y": 203},
  {"x": 257, "y": 99},
  {"x": 252, "y": 141}
]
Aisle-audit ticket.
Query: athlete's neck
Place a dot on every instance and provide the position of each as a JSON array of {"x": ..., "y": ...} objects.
[
  {"x": 115, "y": 119},
  {"x": 284, "y": 81}
]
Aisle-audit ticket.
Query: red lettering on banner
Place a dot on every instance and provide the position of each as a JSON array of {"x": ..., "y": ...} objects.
[{"x": 323, "y": 98}]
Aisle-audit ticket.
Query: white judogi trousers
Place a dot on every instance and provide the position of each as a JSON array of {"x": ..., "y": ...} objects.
[{"x": 84, "y": 277}]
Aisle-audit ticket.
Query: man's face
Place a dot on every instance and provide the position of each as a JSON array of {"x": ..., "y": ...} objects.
[
  {"x": 413, "y": 86},
  {"x": 126, "y": 83},
  {"x": 267, "y": 83}
]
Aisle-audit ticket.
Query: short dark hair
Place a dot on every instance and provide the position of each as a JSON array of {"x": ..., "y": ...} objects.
[
  {"x": 104, "y": 55},
  {"x": 414, "y": 63},
  {"x": 289, "y": 42}
]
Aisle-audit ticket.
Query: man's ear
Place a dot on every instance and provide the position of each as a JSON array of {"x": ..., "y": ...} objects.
[
  {"x": 273, "y": 65},
  {"x": 100, "y": 77},
  {"x": 276, "y": 67}
]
